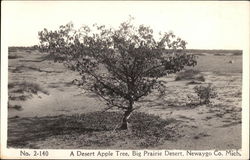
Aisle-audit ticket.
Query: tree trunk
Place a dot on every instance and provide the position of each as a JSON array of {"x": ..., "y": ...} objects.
[{"x": 126, "y": 115}]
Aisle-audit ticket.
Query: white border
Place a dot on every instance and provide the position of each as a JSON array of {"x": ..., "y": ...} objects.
[{"x": 65, "y": 154}]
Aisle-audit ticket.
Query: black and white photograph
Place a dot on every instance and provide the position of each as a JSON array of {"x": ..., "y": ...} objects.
[{"x": 125, "y": 79}]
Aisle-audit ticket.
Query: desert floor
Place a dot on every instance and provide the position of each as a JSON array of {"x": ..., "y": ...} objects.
[{"x": 215, "y": 126}]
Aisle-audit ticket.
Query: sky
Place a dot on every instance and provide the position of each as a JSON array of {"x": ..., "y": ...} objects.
[{"x": 204, "y": 25}]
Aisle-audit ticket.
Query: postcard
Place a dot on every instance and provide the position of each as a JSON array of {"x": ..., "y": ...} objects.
[{"x": 125, "y": 80}]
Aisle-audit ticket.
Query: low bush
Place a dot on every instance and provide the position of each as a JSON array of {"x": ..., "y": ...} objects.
[
  {"x": 190, "y": 74},
  {"x": 205, "y": 93}
]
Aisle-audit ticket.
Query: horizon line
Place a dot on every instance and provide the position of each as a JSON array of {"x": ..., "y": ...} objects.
[{"x": 181, "y": 49}]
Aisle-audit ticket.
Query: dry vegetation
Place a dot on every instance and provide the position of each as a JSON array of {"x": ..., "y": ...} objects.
[
  {"x": 91, "y": 130},
  {"x": 46, "y": 110}
]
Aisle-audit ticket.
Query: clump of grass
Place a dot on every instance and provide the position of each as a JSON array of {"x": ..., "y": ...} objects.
[
  {"x": 12, "y": 85},
  {"x": 19, "y": 97},
  {"x": 21, "y": 68},
  {"x": 53, "y": 85},
  {"x": 17, "y": 107},
  {"x": 25, "y": 68},
  {"x": 193, "y": 82},
  {"x": 200, "y": 135},
  {"x": 30, "y": 87},
  {"x": 96, "y": 129},
  {"x": 219, "y": 54},
  {"x": 190, "y": 74},
  {"x": 21, "y": 91},
  {"x": 14, "y": 56}
]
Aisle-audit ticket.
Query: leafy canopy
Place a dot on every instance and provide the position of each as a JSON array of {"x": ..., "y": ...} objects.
[{"x": 120, "y": 65}]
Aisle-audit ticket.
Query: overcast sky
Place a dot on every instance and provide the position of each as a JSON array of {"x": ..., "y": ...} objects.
[{"x": 204, "y": 25}]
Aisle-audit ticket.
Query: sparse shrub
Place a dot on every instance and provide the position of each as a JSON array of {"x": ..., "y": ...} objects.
[
  {"x": 190, "y": 74},
  {"x": 29, "y": 87},
  {"x": 219, "y": 54},
  {"x": 17, "y": 107},
  {"x": 205, "y": 93},
  {"x": 20, "y": 97},
  {"x": 35, "y": 47},
  {"x": 193, "y": 82},
  {"x": 14, "y": 56},
  {"x": 21, "y": 91}
]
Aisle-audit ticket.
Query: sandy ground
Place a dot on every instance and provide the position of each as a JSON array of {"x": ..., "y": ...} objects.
[{"x": 202, "y": 127}]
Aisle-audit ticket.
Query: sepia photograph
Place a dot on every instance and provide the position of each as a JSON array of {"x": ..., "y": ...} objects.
[{"x": 125, "y": 80}]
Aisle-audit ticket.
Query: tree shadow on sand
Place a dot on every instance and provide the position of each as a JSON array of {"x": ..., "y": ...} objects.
[{"x": 149, "y": 129}]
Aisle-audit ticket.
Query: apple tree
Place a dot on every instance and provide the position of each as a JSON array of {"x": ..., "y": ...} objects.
[{"x": 119, "y": 65}]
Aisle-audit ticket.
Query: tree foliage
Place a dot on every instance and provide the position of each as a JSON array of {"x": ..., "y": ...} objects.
[{"x": 120, "y": 65}]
